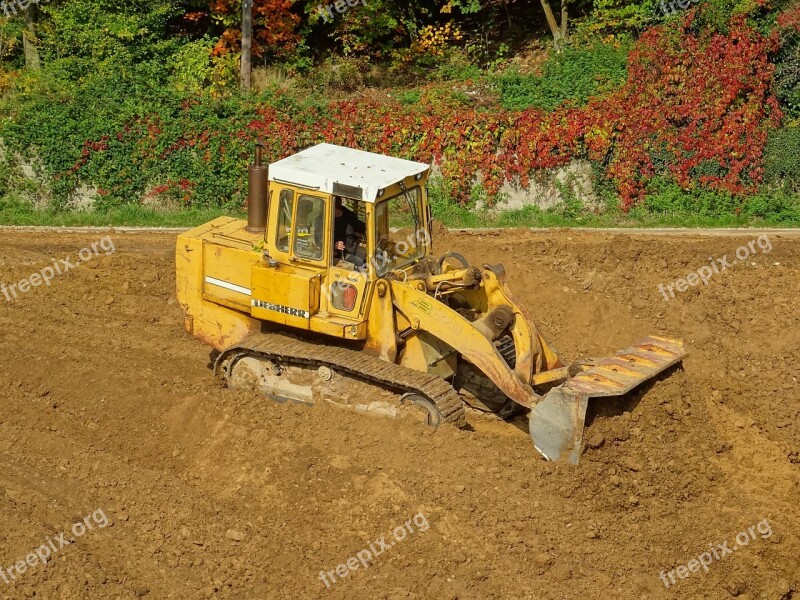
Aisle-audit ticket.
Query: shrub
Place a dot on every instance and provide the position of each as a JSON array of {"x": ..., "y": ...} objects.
[
  {"x": 341, "y": 75},
  {"x": 456, "y": 66},
  {"x": 787, "y": 76},
  {"x": 774, "y": 206},
  {"x": 667, "y": 197},
  {"x": 191, "y": 68},
  {"x": 619, "y": 15},
  {"x": 572, "y": 76},
  {"x": 698, "y": 103},
  {"x": 782, "y": 158},
  {"x": 92, "y": 37},
  {"x": 409, "y": 97}
]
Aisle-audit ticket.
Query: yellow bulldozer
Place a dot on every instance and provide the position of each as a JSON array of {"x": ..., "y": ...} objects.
[{"x": 330, "y": 292}]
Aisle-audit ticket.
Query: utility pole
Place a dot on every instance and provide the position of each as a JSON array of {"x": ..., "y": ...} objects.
[{"x": 247, "y": 43}]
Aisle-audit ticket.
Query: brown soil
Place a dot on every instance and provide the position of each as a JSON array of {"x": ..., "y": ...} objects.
[{"x": 108, "y": 404}]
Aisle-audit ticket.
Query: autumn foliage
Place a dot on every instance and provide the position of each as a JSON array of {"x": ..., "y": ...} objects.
[
  {"x": 695, "y": 108},
  {"x": 275, "y": 25}
]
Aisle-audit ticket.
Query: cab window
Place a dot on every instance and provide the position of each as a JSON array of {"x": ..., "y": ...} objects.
[
  {"x": 309, "y": 227},
  {"x": 399, "y": 231},
  {"x": 285, "y": 207}
]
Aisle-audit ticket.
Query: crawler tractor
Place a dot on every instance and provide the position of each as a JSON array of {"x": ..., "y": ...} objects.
[{"x": 384, "y": 327}]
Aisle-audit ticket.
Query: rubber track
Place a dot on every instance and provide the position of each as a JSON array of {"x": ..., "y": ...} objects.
[{"x": 356, "y": 364}]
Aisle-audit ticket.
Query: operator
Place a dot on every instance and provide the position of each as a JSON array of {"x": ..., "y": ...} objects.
[{"x": 347, "y": 229}]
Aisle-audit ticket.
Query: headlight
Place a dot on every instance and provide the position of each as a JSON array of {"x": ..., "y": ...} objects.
[{"x": 343, "y": 296}]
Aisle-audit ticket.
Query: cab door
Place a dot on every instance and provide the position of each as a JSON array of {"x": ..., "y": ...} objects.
[
  {"x": 345, "y": 288},
  {"x": 289, "y": 290}
]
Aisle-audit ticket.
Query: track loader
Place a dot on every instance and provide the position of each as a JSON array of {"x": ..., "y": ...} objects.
[{"x": 375, "y": 322}]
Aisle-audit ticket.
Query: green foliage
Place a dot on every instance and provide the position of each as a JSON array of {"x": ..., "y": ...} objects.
[
  {"x": 572, "y": 76},
  {"x": 22, "y": 189},
  {"x": 55, "y": 127},
  {"x": 570, "y": 207},
  {"x": 445, "y": 208},
  {"x": 6, "y": 176},
  {"x": 409, "y": 97},
  {"x": 190, "y": 67},
  {"x": 13, "y": 208},
  {"x": 668, "y": 197},
  {"x": 371, "y": 27},
  {"x": 15, "y": 211},
  {"x": 108, "y": 38},
  {"x": 782, "y": 158},
  {"x": 456, "y": 65},
  {"x": 225, "y": 73},
  {"x": 466, "y": 6},
  {"x": 340, "y": 74},
  {"x": 615, "y": 16},
  {"x": 774, "y": 206},
  {"x": 715, "y": 15},
  {"x": 134, "y": 146},
  {"x": 10, "y": 39},
  {"x": 787, "y": 77}
]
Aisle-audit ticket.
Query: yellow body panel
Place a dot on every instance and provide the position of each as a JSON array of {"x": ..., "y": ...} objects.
[
  {"x": 382, "y": 325},
  {"x": 340, "y": 328},
  {"x": 285, "y": 295},
  {"x": 207, "y": 307},
  {"x": 220, "y": 266},
  {"x": 424, "y": 352}
]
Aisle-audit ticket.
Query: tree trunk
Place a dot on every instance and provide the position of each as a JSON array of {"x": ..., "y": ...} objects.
[
  {"x": 247, "y": 43},
  {"x": 28, "y": 38},
  {"x": 559, "y": 32},
  {"x": 508, "y": 14}
]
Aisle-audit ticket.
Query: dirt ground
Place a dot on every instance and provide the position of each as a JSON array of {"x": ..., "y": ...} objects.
[{"x": 107, "y": 405}]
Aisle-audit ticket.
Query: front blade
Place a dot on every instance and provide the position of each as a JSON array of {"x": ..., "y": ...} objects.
[
  {"x": 556, "y": 424},
  {"x": 628, "y": 368}
]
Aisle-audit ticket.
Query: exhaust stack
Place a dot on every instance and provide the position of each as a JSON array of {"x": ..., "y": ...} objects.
[{"x": 258, "y": 183}]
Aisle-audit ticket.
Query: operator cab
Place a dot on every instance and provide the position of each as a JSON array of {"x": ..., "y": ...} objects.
[{"x": 349, "y": 217}]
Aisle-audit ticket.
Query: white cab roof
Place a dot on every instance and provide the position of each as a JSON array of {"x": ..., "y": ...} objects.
[{"x": 324, "y": 166}]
